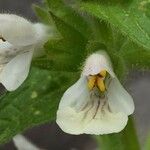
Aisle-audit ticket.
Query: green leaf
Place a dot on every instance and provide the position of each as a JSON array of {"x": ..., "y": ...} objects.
[
  {"x": 101, "y": 32},
  {"x": 35, "y": 102},
  {"x": 69, "y": 16},
  {"x": 68, "y": 52},
  {"x": 129, "y": 18},
  {"x": 135, "y": 56},
  {"x": 59, "y": 62},
  {"x": 42, "y": 14},
  {"x": 67, "y": 31}
]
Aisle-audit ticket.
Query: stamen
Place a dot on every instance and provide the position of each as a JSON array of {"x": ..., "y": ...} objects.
[
  {"x": 91, "y": 82},
  {"x": 103, "y": 73},
  {"x": 100, "y": 84},
  {"x": 97, "y": 81}
]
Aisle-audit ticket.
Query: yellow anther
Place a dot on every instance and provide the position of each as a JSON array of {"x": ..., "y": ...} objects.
[
  {"x": 91, "y": 82},
  {"x": 103, "y": 73},
  {"x": 100, "y": 84}
]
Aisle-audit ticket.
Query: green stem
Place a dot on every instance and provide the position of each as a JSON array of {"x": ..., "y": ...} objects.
[
  {"x": 125, "y": 140},
  {"x": 147, "y": 143}
]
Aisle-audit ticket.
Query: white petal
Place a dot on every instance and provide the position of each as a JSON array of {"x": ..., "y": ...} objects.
[
  {"x": 97, "y": 62},
  {"x": 119, "y": 99},
  {"x": 22, "y": 143},
  {"x": 106, "y": 122},
  {"x": 71, "y": 106},
  {"x": 72, "y": 121},
  {"x": 17, "y": 30},
  {"x": 85, "y": 121},
  {"x": 7, "y": 49},
  {"x": 16, "y": 71},
  {"x": 76, "y": 96},
  {"x": 5, "y": 46}
]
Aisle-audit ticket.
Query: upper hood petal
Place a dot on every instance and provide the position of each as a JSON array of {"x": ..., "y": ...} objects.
[
  {"x": 119, "y": 99},
  {"x": 43, "y": 32},
  {"x": 97, "y": 62},
  {"x": 17, "y": 30}
]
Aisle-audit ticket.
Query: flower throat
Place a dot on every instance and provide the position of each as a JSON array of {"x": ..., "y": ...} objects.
[{"x": 98, "y": 81}]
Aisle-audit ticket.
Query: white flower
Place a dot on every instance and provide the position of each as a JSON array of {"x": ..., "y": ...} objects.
[
  {"x": 18, "y": 40},
  {"x": 97, "y": 103}
]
